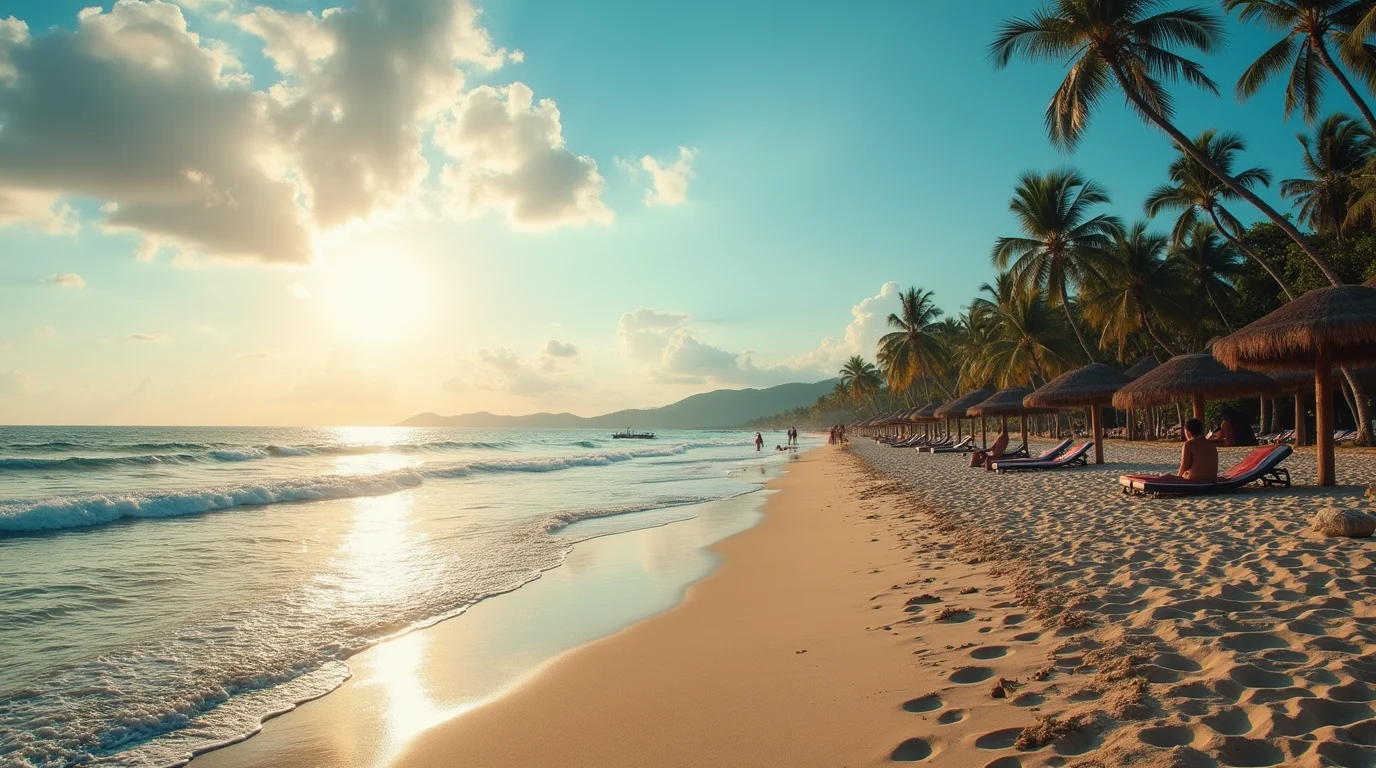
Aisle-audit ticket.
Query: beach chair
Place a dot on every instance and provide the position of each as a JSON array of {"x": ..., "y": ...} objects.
[
  {"x": 1076, "y": 456},
  {"x": 1261, "y": 464},
  {"x": 943, "y": 442},
  {"x": 964, "y": 446},
  {"x": 1340, "y": 435},
  {"x": 1349, "y": 437},
  {"x": 1046, "y": 456},
  {"x": 1019, "y": 452},
  {"x": 1268, "y": 438}
]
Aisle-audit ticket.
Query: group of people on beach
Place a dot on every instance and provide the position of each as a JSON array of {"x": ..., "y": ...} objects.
[{"x": 838, "y": 435}]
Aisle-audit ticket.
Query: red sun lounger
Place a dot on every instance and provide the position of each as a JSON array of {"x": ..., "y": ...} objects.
[
  {"x": 1261, "y": 464},
  {"x": 1072, "y": 457}
]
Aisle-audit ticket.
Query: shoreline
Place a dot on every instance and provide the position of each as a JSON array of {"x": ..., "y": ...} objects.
[{"x": 646, "y": 570}]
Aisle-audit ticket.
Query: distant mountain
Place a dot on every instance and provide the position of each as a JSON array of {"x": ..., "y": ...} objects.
[{"x": 721, "y": 409}]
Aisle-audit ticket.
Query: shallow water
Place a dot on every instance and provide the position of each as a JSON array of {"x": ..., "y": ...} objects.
[{"x": 190, "y": 581}]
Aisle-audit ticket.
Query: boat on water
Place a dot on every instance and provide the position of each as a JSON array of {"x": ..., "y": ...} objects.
[{"x": 627, "y": 434}]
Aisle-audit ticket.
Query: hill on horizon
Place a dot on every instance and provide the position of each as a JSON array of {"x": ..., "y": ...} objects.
[{"x": 719, "y": 409}]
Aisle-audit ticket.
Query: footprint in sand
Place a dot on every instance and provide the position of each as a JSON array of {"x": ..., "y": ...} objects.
[
  {"x": 989, "y": 652},
  {"x": 1167, "y": 736},
  {"x": 970, "y": 675},
  {"x": 911, "y": 751},
  {"x": 929, "y": 703},
  {"x": 1005, "y": 762},
  {"x": 1000, "y": 739},
  {"x": 1238, "y": 752},
  {"x": 1027, "y": 637},
  {"x": 951, "y": 716},
  {"x": 1229, "y": 722}
]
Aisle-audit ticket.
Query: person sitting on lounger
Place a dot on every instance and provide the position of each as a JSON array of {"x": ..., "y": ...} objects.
[
  {"x": 982, "y": 458},
  {"x": 1198, "y": 457}
]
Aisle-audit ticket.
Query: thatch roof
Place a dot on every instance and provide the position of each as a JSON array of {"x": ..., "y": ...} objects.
[
  {"x": 1005, "y": 402},
  {"x": 1340, "y": 319},
  {"x": 1147, "y": 363},
  {"x": 957, "y": 407},
  {"x": 1303, "y": 381},
  {"x": 928, "y": 411},
  {"x": 1187, "y": 376},
  {"x": 1091, "y": 384}
]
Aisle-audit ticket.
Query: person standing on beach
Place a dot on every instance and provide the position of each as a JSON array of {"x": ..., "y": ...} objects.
[{"x": 759, "y": 441}]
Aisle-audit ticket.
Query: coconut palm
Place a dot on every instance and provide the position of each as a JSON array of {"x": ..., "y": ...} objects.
[
  {"x": 1194, "y": 191},
  {"x": 1137, "y": 290},
  {"x": 1209, "y": 264},
  {"x": 1308, "y": 27},
  {"x": 1334, "y": 159},
  {"x": 1030, "y": 343},
  {"x": 910, "y": 351},
  {"x": 861, "y": 379},
  {"x": 1062, "y": 242},
  {"x": 1126, "y": 43}
]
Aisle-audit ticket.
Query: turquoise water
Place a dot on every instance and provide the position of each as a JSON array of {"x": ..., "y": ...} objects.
[{"x": 162, "y": 590}]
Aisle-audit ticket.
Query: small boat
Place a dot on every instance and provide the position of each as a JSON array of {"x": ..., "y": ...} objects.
[{"x": 629, "y": 435}]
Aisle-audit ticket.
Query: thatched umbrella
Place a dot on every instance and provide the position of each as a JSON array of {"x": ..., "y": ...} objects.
[
  {"x": 1092, "y": 385},
  {"x": 1005, "y": 403},
  {"x": 1324, "y": 328},
  {"x": 1146, "y": 364},
  {"x": 927, "y": 414},
  {"x": 956, "y": 409},
  {"x": 1198, "y": 377}
]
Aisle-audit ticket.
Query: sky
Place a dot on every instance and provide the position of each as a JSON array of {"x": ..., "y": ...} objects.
[{"x": 222, "y": 212}]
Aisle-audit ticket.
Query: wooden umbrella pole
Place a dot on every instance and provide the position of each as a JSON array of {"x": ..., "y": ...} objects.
[
  {"x": 983, "y": 432},
  {"x": 1323, "y": 416},
  {"x": 1096, "y": 433},
  {"x": 1199, "y": 407},
  {"x": 1022, "y": 426},
  {"x": 1301, "y": 433}
]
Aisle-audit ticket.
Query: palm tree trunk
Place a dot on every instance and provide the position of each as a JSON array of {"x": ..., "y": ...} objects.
[
  {"x": 1363, "y": 414},
  {"x": 1237, "y": 243},
  {"x": 1075, "y": 325},
  {"x": 1316, "y": 44},
  {"x": 1190, "y": 149},
  {"x": 1151, "y": 329},
  {"x": 1209, "y": 292}
]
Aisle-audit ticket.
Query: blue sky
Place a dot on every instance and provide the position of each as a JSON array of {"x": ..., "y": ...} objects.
[{"x": 832, "y": 151}]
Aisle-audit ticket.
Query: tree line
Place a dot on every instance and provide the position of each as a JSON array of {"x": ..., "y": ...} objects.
[{"x": 1082, "y": 282}]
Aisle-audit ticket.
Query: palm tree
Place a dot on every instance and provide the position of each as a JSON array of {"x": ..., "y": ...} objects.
[
  {"x": 1125, "y": 43},
  {"x": 1205, "y": 262},
  {"x": 1030, "y": 344},
  {"x": 1194, "y": 191},
  {"x": 861, "y": 379},
  {"x": 1137, "y": 290},
  {"x": 1334, "y": 159},
  {"x": 909, "y": 352},
  {"x": 1062, "y": 242},
  {"x": 1308, "y": 26}
]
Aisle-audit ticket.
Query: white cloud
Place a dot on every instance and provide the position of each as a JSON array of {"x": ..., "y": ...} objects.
[
  {"x": 133, "y": 108},
  {"x": 300, "y": 291},
  {"x": 502, "y": 369},
  {"x": 153, "y": 338},
  {"x": 512, "y": 159},
  {"x": 164, "y": 131},
  {"x": 556, "y": 355},
  {"x": 869, "y": 321},
  {"x": 14, "y": 383},
  {"x": 66, "y": 280},
  {"x": 644, "y": 333},
  {"x": 45, "y": 331},
  {"x": 669, "y": 179}
]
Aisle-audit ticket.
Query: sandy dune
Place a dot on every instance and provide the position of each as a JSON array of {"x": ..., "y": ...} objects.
[{"x": 1215, "y": 631}]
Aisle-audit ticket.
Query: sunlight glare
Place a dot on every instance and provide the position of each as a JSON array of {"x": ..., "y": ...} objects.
[{"x": 374, "y": 299}]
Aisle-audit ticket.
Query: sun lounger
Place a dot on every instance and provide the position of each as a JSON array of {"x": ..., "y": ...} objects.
[
  {"x": 1349, "y": 437},
  {"x": 942, "y": 443},
  {"x": 964, "y": 446},
  {"x": 1340, "y": 435},
  {"x": 1070, "y": 457},
  {"x": 912, "y": 442},
  {"x": 1261, "y": 464},
  {"x": 1047, "y": 456}
]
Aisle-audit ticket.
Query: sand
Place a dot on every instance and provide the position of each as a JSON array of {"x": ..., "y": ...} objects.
[{"x": 896, "y": 607}]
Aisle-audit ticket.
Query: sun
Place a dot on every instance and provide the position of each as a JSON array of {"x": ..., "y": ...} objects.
[{"x": 374, "y": 298}]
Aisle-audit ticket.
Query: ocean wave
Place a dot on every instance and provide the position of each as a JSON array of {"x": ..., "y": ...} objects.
[
  {"x": 94, "y": 462},
  {"x": 86, "y": 511}
]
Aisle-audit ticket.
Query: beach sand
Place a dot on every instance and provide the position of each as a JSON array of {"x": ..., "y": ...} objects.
[{"x": 896, "y": 607}]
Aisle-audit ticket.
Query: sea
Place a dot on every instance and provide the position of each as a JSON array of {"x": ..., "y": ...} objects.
[{"x": 164, "y": 590}]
